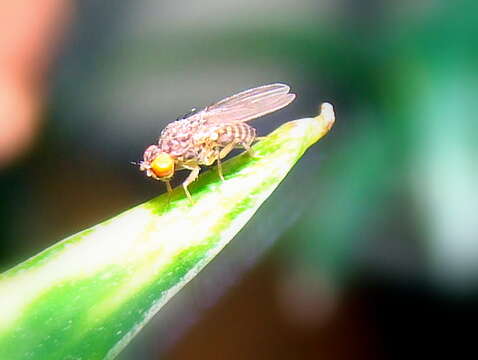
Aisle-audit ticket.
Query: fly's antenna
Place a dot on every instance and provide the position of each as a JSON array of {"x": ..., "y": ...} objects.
[{"x": 134, "y": 163}]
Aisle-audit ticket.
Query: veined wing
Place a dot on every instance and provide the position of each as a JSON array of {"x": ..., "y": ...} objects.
[{"x": 249, "y": 104}]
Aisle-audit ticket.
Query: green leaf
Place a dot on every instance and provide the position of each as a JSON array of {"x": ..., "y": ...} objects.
[{"x": 88, "y": 295}]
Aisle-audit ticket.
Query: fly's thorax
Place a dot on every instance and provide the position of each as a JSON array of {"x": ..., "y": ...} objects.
[
  {"x": 205, "y": 135},
  {"x": 177, "y": 138}
]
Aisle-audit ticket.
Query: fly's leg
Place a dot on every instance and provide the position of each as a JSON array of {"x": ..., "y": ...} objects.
[
  {"x": 168, "y": 187},
  {"x": 219, "y": 166},
  {"x": 222, "y": 153},
  {"x": 170, "y": 191},
  {"x": 192, "y": 176},
  {"x": 248, "y": 149},
  {"x": 226, "y": 150}
]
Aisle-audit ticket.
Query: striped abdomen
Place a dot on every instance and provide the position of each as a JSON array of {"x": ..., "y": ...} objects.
[{"x": 238, "y": 133}]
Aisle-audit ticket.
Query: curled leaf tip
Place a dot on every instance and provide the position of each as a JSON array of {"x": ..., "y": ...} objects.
[
  {"x": 326, "y": 116},
  {"x": 327, "y": 112},
  {"x": 321, "y": 124}
]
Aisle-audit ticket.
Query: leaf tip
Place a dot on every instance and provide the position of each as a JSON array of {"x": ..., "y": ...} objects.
[
  {"x": 326, "y": 116},
  {"x": 323, "y": 122}
]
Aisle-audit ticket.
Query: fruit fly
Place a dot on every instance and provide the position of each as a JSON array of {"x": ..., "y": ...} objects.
[{"x": 205, "y": 136}]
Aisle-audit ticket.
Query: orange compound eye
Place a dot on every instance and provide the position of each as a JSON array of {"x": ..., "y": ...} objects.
[{"x": 163, "y": 166}]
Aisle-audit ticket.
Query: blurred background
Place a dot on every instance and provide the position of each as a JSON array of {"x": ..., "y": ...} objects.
[{"x": 368, "y": 250}]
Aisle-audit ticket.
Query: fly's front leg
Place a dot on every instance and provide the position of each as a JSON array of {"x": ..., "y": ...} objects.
[
  {"x": 168, "y": 187},
  {"x": 192, "y": 176},
  {"x": 170, "y": 190}
]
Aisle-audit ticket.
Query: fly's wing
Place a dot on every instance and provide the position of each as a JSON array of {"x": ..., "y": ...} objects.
[{"x": 249, "y": 104}]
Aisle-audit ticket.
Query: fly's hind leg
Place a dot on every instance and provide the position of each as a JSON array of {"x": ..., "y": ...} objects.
[
  {"x": 192, "y": 176},
  {"x": 247, "y": 146},
  {"x": 250, "y": 151},
  {"x": 259, "y": 138}
]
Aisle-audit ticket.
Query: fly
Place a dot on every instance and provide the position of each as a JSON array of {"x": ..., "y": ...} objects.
[{"x": 208, "y": 135}]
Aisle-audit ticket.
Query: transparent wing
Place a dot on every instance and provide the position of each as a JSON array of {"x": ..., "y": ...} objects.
[{"x": 249, "y": 104}]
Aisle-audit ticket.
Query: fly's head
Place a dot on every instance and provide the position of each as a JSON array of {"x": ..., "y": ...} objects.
[{"x": 157, "y": 164}]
